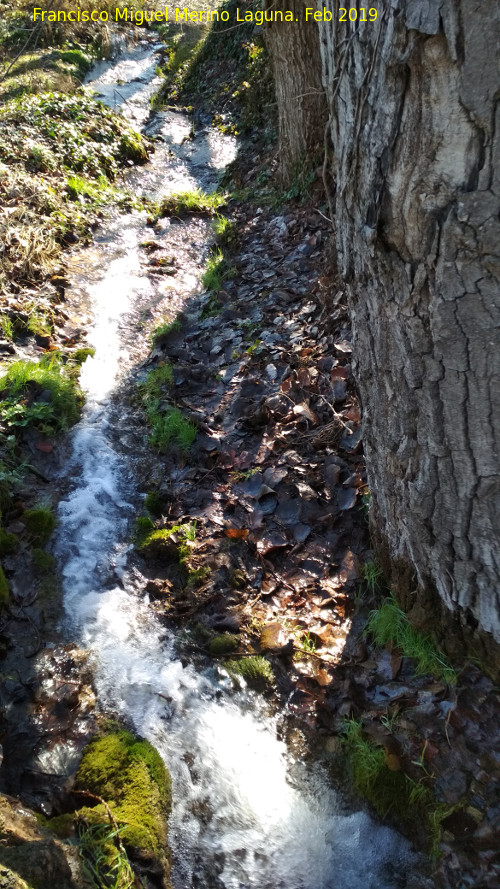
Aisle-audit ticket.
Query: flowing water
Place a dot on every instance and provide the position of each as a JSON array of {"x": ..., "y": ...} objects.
[{"x": 245, "y": 814}]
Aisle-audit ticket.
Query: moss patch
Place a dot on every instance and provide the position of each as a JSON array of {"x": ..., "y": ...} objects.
[
  {"x": 223, "y": 644},
  {"x": 130, "y": 775},
  {"x": 40, "y": 524},
  {"x": 8, "y": 542},
  {"x": 256, "y": 671}
]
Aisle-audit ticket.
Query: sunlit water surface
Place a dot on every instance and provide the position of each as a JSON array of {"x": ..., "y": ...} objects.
[{"x": 244, "y": 814}]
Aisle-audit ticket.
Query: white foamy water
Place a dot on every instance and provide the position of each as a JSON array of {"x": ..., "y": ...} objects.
[{"x": 245, "y": 815}]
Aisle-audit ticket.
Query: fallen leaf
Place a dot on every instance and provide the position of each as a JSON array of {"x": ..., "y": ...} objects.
[
  {"x": 44, "y": 446},
  {"x": 237, "y": 533},
  {"x": 303, "y": 410}
]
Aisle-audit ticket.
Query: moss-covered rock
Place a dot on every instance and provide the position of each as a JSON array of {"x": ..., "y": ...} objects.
[
  {"x": 223, "y": 644},
  {"x": 130, "y": 775},
  {"x": 133, "y": 148}
]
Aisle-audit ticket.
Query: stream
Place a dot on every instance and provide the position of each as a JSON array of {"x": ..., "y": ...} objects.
[{"x": 246, "y": 813}]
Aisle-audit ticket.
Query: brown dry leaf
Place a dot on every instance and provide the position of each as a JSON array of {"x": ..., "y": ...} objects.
[
  {"x": 340, "y": 373},
  {"x": 323, "y": 678},
  {"x": 392, "y": 761},
  {"x": 237, "y": 533},
  {"x": 396, "y": 661}
]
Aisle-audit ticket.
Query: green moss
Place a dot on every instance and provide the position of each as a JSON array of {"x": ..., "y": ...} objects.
[
  {"x": 43, "y": 563},
  {"x": 223, "y": 644},
  {"x": 8, "y": 542},
  {"x": 196, "y": 576},
  {"x": 4, "y": 589},
  {"x": 81, "y": 355},
  {"x": 40, "y": 524},
  {"x": 62, "y": 825},
  {"x": 132, "y": 148},
  {"x": 130, "y": 775},
  {"x": 256, "y": 671}
]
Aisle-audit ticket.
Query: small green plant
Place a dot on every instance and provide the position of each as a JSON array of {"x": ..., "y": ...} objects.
[
  {"x": 224, "y": 229},
  {"x": 307, "y": 644},
  {"x": 7, "y": 327},
  {"x": 104, "y": 859},
  {"x": 213, "y": 276},
  {"x": 372, "y": 577},
  {"x": 389, "y": 625}
]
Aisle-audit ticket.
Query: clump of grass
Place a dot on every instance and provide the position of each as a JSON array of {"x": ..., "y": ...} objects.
[
  {"x": 213, "y": 276},
  {"x": 23, "y": 387},
  {"x": 171, "y": 428},
  {"x": 156, "y": 381},
  {"x": 164, "y": 329},
  {"x": 392, "y": 792},
  {"x": 389, "y": 625},
  {"x": 103, "y": 856},
  {"x": 40, "y": 524},
  {"x": 195, "y": 202},
  {"x": 39, "y": 324},
  {"x": 372, "y": 576},
  {"x": 224, "y": 229},
  {"x": 7, "y": 327},
  {"x": 256, "y": 671}
]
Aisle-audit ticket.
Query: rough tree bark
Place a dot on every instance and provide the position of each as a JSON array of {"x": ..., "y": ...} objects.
[
  {"x": 415, "y": 126},
  {"x": 294, "y": 52}
]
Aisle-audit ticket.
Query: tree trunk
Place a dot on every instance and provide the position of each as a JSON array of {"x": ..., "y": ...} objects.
[
  {"x": 415, "y": 125},
  {"x": 294, "y": 51}
]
